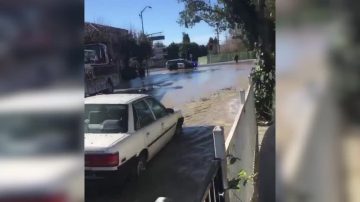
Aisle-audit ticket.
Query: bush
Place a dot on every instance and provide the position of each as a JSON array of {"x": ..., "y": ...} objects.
[{"x": 264, "y": 84}]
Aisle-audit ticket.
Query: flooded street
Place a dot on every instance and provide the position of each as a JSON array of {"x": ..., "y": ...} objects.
[
  {"x": 176, "y": 88},
  {"x": 207, "y": 96}
]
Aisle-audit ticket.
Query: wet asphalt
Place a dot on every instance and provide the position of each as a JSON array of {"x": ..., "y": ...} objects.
[
  {"x": 179, "y": 170},
  {"x": 175, "y": 88}
]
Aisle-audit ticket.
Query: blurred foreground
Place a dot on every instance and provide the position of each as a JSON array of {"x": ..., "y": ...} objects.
[
  {"x": 41, "y": 98},
  {"x": 318, "y": 85}
]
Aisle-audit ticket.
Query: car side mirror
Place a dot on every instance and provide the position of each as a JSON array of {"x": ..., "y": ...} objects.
[{"x": 170, "y": 110}]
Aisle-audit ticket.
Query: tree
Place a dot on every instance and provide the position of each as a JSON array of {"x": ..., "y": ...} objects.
[
  {"x": 144, "y": 49},
  {"x": 196, "y": 11},
  {"x": 216, "y": 46},
  {"x": 210, "y": 44},
  {"x": 186, "y": 38},
  {"x": 173, "y": 51},
  {"x": 203, "y": 50},
  {"x": 184, "y": 48},
  {"x": 256, "y": 20},
  {"x": 231, "y": 45}
]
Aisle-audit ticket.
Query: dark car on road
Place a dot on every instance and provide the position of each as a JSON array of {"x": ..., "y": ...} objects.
[{"x": 178, "y": 64}]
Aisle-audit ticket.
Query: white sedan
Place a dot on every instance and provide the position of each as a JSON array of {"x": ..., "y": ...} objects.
[{"x": 124, "y": 131}]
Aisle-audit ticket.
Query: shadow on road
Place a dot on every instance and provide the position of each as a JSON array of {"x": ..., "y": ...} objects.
[
  {"x": 267, "y": 166},
  {"x": 178, "y": 172}
]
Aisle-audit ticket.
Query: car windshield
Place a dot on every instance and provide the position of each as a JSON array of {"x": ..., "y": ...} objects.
[
  {"x": 90, "y": 56},
  {"x": 171, "y": 62},
  {"x": 106, "y": 118}
]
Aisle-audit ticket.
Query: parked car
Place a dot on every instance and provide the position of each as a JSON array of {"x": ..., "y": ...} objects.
[
  {"x": 123, "y": 132},
  {"x": 178, "y": 64}
]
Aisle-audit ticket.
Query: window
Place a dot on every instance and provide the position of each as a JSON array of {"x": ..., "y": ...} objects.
[
  {"x": 106, "y": 118},
  {"x": 158, "y": 109},
  {"x": 142, "y": 115}
]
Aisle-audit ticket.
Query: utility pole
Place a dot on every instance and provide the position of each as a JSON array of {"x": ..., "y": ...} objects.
[
  {"x": 218, "y": 39},
  {"x": 142, "y": 26},
  {"x": 141, "y": 17}
]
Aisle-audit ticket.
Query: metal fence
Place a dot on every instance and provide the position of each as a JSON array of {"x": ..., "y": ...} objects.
[{"x": 225, "y": 57}]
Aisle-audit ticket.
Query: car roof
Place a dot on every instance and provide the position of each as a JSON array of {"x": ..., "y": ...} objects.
[{"x": 114, "y": 98}]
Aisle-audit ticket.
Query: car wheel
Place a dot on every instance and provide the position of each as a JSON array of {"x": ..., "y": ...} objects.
[
  {"x": 141, "y": 165},
  {"x": 179, "y": 125}
]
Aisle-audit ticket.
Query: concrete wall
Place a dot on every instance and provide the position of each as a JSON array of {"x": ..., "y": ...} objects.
[
  {"x": 202, "y": 60},
  {"x": 241, "y": 143}
]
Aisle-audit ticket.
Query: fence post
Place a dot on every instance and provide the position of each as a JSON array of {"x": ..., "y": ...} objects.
[
  {"x": 220, "y": 152},
  {"x": 242, "y": 97}
]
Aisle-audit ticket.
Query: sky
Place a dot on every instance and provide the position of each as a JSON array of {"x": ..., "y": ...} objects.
[{"x": 161, "y": 18}]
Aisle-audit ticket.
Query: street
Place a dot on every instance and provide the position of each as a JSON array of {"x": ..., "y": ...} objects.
[
  {"x": 208, "y": 95},
  {"x": 180, "y": 171},
  {"x": 176, "y": 88}
]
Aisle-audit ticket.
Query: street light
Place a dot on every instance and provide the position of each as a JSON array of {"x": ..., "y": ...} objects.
[{"x": 141, "y": 16}]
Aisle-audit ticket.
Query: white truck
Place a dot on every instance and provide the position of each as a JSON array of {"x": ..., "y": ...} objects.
[
  {"x": 123, "y": 132},
  {"x": 102, "y": 74}
]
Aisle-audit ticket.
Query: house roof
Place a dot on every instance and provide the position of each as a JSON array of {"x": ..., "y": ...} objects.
[{"x": 98, "y": 27}]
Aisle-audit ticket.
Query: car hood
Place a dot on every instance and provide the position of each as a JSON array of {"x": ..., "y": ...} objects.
[{"x": 102, "y": 141}]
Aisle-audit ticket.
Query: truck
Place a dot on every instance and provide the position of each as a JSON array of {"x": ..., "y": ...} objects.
[{"x": 102, "y": 73}]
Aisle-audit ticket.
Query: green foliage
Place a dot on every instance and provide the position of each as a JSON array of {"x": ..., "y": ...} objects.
[
  {"x": 184, "y": 50},
  {"x": 184, "y": 47},
  {"x": 144, "y": 48},
  {"x": 203, "y": 51},
  {"x": 264, "y": 90},
  {"x": 186, "y": 38},
  {"x": 173, "y": 51},
  {"x": 241, "y": 180},
  {"x": 210, "y": 44},
  {"x": 196, "y": 11}
]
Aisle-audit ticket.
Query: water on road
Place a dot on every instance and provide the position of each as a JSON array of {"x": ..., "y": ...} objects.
[
  {"x": 181, "y": 170},
  {"x": 175, "y": 88}
]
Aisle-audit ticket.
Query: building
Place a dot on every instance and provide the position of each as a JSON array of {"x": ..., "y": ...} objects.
[{"x": 91, "y": 28}]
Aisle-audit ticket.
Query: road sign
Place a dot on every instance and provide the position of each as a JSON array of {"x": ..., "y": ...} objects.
[{"x": 154, "y": 38}]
